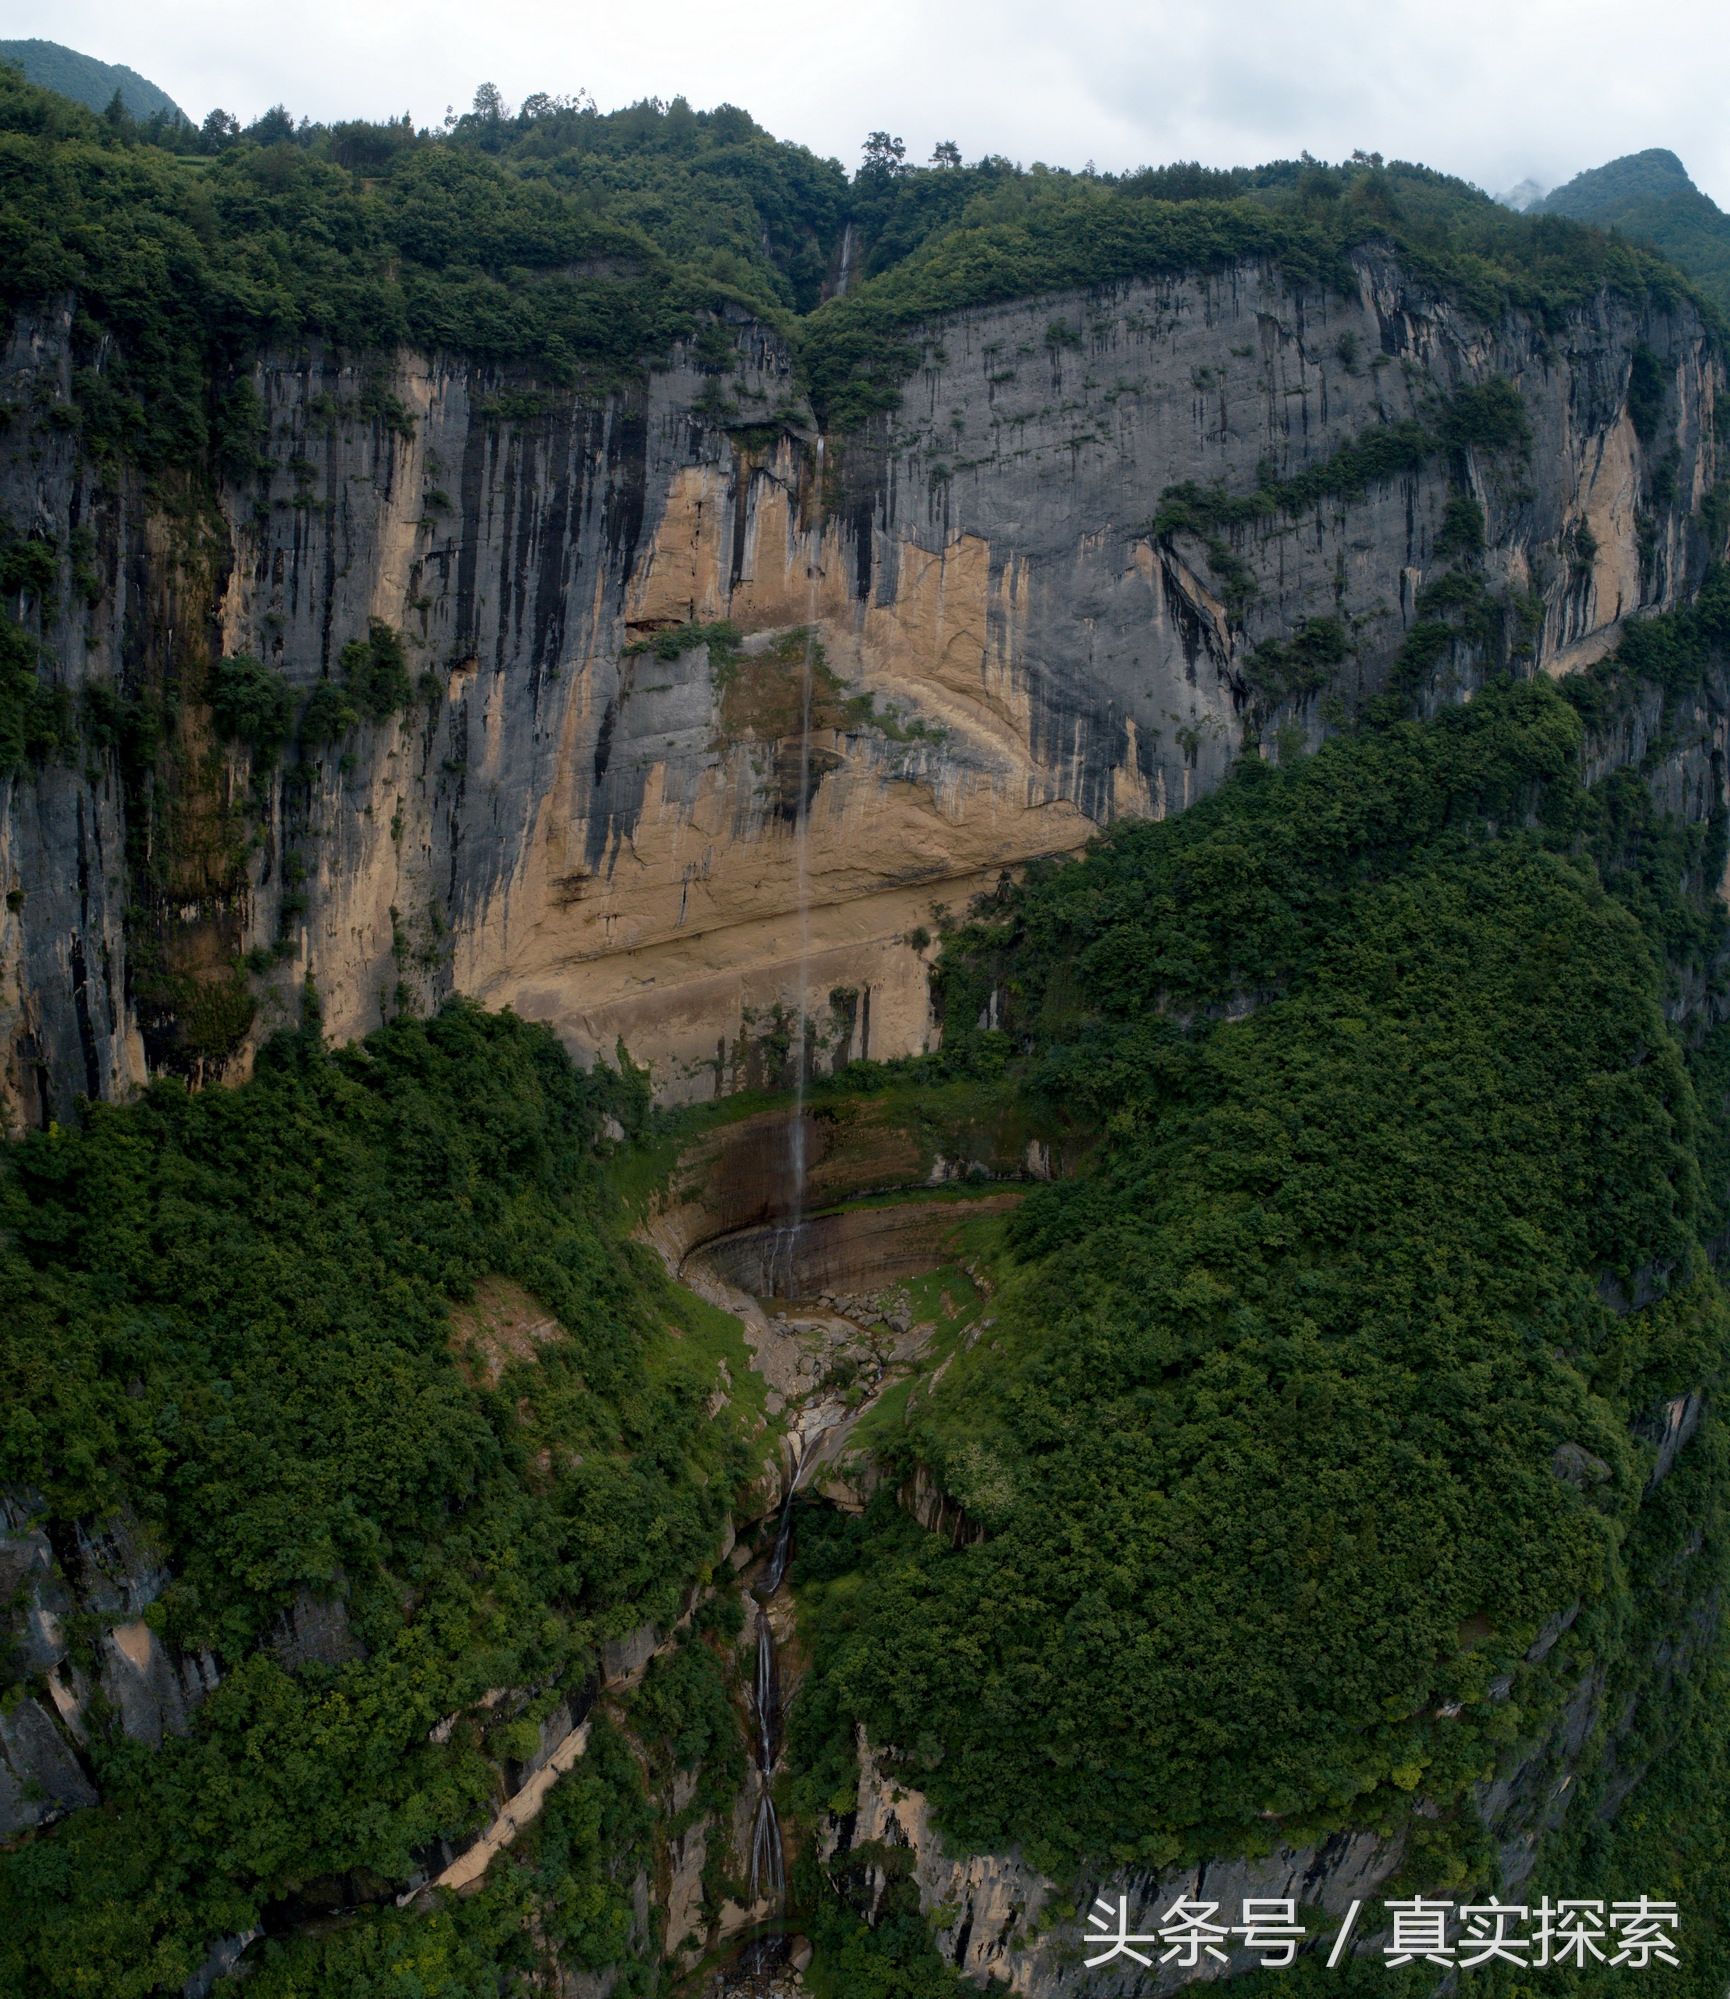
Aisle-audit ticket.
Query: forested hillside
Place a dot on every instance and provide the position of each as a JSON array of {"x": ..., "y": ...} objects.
[
  {"x": 273, "y": 1331},
  {"x": 84, "y": 79},
  {"x": 587, "y": 242},
  {"x": 1313, "y": 1398},
  {"x": 1649, "y": 198},
  {"x": 1362, "y": 1067}
]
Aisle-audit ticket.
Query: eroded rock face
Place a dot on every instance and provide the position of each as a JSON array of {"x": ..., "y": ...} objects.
[
  {"x": 757, "y": 1171},
  {"x": 645, "y": 847},
  {"x": 109, "y": 1575},
  {"x": 996, "y": 1912},
  {"x": 40, "y": 1776},
  {"x": 1000, "y": 1922},
  {"x": 866, "y": 1248}
]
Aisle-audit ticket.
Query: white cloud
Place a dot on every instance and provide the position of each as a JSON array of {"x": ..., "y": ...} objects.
[{"x": 1482, "y": 88}]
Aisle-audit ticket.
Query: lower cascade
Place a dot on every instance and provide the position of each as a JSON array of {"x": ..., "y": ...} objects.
[{"x": 767, "y": 1952}]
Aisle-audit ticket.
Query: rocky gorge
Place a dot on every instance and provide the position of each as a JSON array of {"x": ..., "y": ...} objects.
[{"x": 655, "y": 1356}]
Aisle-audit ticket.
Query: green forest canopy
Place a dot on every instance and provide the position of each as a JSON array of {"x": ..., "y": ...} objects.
[
  {"x": 230, "y": 1317},
  {"x": 91, "y": 82},
  {"x": 1267, "y": 1454},
  {"x": 1649, "y": 197},
  {"x": 582, "y": 243}
]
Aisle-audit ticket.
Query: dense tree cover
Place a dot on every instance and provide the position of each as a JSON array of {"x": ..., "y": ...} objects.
[
  {"x": 566, "y": 1884},
  {"x": 711, "y": 188},
  {"x": 1651, "y": 1820},
  {"x": 1649, "y": 197},
  {"x": 193, "y": 264},
  {"x": 1646, "y": 1813},
  {"x": 230, "y": 1316},
  {"x": 870, "y": 1938},
  {"x": 584, "y": 243},
  {"x": 1264, "y": 1448}
]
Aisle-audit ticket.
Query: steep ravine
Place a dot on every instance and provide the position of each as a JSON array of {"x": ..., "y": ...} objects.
[
  {"x": 596, "y": 830},
  {"x": 996, "y": 1917},
  {"x": 830, "y": 1328},
  {"x": 582, "y": 816}
]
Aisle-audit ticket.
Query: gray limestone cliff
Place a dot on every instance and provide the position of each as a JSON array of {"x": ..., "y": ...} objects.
[{"x": 564, "y": 816}]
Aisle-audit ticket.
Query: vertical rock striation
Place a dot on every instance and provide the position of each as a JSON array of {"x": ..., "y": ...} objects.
[{"x": 557, "y": 813}]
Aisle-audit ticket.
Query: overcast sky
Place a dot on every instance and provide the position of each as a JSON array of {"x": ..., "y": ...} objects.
[{"x": 1492, "y": 89}]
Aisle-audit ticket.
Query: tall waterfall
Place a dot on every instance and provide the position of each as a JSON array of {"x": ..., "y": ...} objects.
[
  {"x": 768, "y": 1877},
  {"x": 802, "y": 863}
]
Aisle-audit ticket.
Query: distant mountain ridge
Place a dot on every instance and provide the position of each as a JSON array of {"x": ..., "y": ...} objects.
[
  {"x": 73, "y": 74},
  {"x": 1650, "y": 196}
]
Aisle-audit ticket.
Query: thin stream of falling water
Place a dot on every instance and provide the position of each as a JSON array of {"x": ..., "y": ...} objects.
[
  {"x": 768, "y": 1866},
  {"x": 802, "y": 859},
  {"x": 768, "y": 1880},
  {"x": 768, "y": 1877}
]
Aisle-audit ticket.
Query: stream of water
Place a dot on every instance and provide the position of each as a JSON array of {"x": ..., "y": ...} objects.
[
  {"x": 802, "y": 862},
  {"x": 768, "y": 1879},
  {"x": 768, "y": 1873}
]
